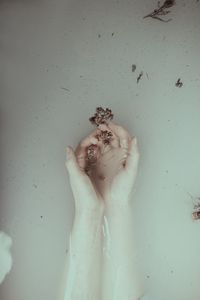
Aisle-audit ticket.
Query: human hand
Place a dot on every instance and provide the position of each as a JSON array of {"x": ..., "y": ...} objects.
[
  {"x": 84, "y": 190},
  {"x": 118, "y": 164}
]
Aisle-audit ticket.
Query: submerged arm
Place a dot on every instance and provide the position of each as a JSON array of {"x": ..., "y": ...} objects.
[
  {"x": 82, "y": 281},
  {"x": 120, "y": 279}
]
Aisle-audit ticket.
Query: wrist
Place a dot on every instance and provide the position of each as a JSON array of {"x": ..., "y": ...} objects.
[
  {"x": 96, "y": 209},
  {"x": 117, "y": 208},
  {"x": 117, "y": 202}
]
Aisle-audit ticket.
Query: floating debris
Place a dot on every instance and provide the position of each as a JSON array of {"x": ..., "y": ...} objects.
[
  {"x": 179, "y": 83},
  {"x": 133, "y": 68},
  {"x": 91, "y": 153},
  {"x": 139, "y": 77},
  {"x": 196, "y": 212},
  {"x": 161, "y": 11},
  {"x": 65, "y": 89},
  {"x": 196, "y": 206},
  {"x": 105, "y": 136},
  {"x": 196, "y": 215},
  {"x": 101, "y": 116}
]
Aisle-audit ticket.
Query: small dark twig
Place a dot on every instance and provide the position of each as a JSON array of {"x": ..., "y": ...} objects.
[
  {"x": 65, "y": 89},
  {"x": 161, "y": 11},
  {"x": 139, "y": 77}
]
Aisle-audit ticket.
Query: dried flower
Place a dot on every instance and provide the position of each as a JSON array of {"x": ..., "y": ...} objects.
[
  {"x": 105, "y": 136},
  {"x": 196, "y": 215},
  {"x": 91, "y": 157},
  {"x": 197, "y": 206},
  {"x": 101, "y": 116},
  {"x": 168, "y": 3},
  {"x": 161, "y": 11},
  {"x": 91, "y": 153}
]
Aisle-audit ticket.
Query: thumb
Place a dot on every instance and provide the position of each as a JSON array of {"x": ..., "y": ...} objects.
[
  {"x": 71, "y": 162},
  {"x": 133, "y": 158}
]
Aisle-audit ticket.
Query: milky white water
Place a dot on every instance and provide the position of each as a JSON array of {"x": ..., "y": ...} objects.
[
  {"x": 5, "y": 255},
  {"x": 60, "y": 60}
]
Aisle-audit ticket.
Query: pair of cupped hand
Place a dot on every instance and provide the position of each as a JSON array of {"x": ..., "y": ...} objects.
[{"x": 111, "y": 178}]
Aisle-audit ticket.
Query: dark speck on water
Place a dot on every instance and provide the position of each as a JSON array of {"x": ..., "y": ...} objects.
[
  {"x": 133, "y": 68},
  {"x": 139, "y": 77},
  {"x": 179, "y": 83},
  {"x": 65, "y": 89}
]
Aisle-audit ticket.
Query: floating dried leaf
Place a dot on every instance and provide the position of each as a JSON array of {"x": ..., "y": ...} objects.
[
  {"x": 179, "y": 83},
  {"x": 161, "y": 11},
  {"x": 101, "y": 116}
]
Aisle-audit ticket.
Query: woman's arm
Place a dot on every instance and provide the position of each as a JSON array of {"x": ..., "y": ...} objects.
[
  {"x": 120, "y": 279},
  {"x": 82, "y": 276}
]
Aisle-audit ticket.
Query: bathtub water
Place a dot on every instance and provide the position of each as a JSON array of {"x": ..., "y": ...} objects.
[
  {"x": 62, "y": 59},
  {"x": 5, "y": 255}
]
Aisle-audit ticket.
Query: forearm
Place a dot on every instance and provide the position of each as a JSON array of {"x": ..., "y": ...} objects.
[
  {"x": 121, "y": 280},
  {"x": 83, "y": 263}
]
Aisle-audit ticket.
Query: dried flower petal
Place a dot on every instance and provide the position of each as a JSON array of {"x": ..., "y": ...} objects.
[
  {"x": 105, "y": 136},
  {"x": 160, "y": 11},
  {"x": 101, "y": 116},
  {"x": 196, "y": 215},
  {"x": 92, "y": 153},
  {"x": 168, "y": 3}
]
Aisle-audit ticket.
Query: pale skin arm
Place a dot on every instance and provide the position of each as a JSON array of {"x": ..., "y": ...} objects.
[
  {"x": 82, "y": 277},
  {"x": 120, "y": 280},
  {"x": 91, "y": 194}
]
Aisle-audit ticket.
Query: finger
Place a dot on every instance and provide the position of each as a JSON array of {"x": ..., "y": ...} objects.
[
  {"x": 79, "y": 181},
  {"x": 90, "y": 139},
  {"x": 123, "y": 135},
  {"x": 71, "y": 163},
  {"x": 133, "y": 158},
  {"x": 115, "y": 139},
  {"x": 81, "y": 150}
]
